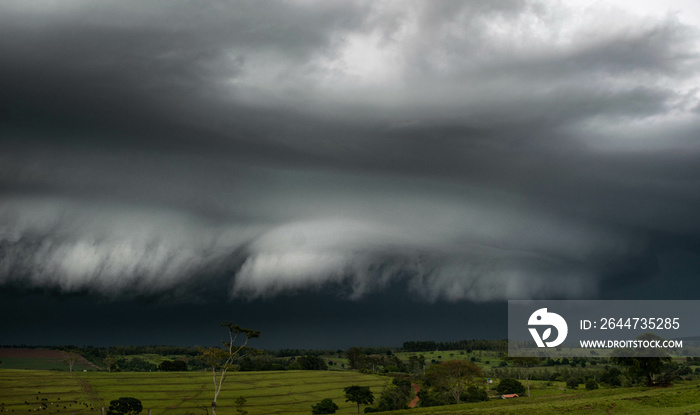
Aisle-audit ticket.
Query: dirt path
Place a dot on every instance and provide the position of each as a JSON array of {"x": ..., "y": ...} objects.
[
  {"x": 415, "y": 400},
  {"x": 92, "y": 396}
]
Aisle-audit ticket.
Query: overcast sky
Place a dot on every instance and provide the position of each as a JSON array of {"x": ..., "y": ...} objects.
[{"x": 322, "y": 165}]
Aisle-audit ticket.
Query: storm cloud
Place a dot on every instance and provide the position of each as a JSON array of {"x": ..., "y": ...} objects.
[{"x": 464, "y": 150}]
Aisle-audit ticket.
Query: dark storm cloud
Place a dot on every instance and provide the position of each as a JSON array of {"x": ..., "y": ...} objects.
[{"x": 464, "y": 150}]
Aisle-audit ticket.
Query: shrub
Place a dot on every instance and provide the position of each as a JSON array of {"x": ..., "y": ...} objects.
[
  {"x": 591, "y": 384},
  {"x": 173, "y": 366},
  {"x": 430, "y": 398},
  {"x": 510, "y": 385},
  {"x": 326, "y": 406},
  {"x": 474, "y": 394},
  {"x": 125, "y": 406},
  {"x": 573, "y": 382}
]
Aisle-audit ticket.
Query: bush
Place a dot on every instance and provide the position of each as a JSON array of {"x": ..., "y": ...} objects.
[
  {"x": 591, "y": 384},
  {"x": 474, "y": 394},
  {"x": 312, "y": 363},
  {"x": 430, "y": 398},
  {"x": 173, "y": 366},
  {"x": 510, "y": 385},
  {"x": 573, "y": 382},
  {"x": 136, "y": 364},
  {"x": 125, "y": 406},
  {"x": 326, "y": 406}
]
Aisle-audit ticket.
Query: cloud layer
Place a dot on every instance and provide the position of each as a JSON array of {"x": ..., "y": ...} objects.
[{"x": 466, "y": 150}]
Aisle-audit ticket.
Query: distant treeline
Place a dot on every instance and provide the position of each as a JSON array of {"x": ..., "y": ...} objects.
[
  {"x": 303, "y": 352},
  {"x": 116, "y": 350},
  {"x": 468, "y": 345}
]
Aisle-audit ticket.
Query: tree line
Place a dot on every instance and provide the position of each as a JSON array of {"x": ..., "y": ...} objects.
[{"x": 468, "y": 345}]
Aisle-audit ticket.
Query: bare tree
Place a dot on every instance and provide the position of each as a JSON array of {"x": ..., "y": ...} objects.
[
  {"x": 110, "y": 362},
  {"x": 221, "y": 359},
  {"x": 70, "y": 358},
  {"x": 526, "y": 363}
]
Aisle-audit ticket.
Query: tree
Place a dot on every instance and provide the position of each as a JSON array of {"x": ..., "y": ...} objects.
[
  {"x": 326, "y": 406},
  {"x": 573, "y": 382},
  {"x": 429, "y": 397},
  {"x": 611, "y": 376},
  {"x": 453, "y": 376},
  {"x": 125, "y": 406},
  {"x": 361, "y": 395},
  {"x": 643, "y": 367},
  {"x": 240, "y": 403},
  {"x": 591, "y": 384},
  {"x": 475, "y": 394},
  {"x": 510, "y": 385},
  {"x": 309, "y": 362},
  {"x": 110, "y": 362},
  {"x": 356, "y": 358},
  {"x": 173, "y": 366},
  {"x": 220, "y": 360},
  {"x": 527, "y": 362},
  {"x": 70, "y": 357},
  {"x": 395, "y": 396},
  {"x": 417, "y": 364}
]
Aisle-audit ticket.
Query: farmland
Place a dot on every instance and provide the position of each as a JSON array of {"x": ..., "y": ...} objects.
[
  {"x": 39, "y": 359},
  {"x": 288, "y": 392},
  {"x": 88, "y": 389},
  {"x": 680, "y": 399},
  {"x": 293, "y": 392}
]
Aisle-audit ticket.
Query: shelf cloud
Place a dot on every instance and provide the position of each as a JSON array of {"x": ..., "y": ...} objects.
[{"x": 467, "y": 151}]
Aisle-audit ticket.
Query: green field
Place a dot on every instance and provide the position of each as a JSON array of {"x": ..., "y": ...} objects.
[
  {"x": 682, "y": 398},
  {"x": 293, "y": 392},
  {"x": 483, "y": 359},
  {"x": 289, "y": 392},
  {"x": 38, "y": 363}
]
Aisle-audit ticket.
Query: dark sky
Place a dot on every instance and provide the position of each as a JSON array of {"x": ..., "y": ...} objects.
[{"x": 340, "y": 173}]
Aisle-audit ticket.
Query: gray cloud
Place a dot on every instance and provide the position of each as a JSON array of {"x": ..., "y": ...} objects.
[{"x": 478, "y": 150}]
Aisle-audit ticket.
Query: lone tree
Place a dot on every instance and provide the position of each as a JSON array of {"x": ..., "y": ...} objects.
[
  {"x": 647, "y": 367},
  {"x": 326, "y": 406},
  {"x": 525, "y": 363},
  {"x": 221, "y": 359},
  {"x": 417, "y": 364},
  {"x": 453, "y": 376},
  {"x": 70, "y": 357},
  {"x": 361, "y": 395},
  {"x": 125, "y": 406},
  {"x": 110, "y": 363},
  {"x": 240, "y": 403},
  {"x": 510, "y": 385}
]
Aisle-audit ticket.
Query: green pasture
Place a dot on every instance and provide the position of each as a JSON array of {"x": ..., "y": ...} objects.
[
  {"x": 484, "y": 359},
  {"x": 293, "y": 392},
  {"x": 287, "y": 392},
  {"x": 27, "y": 391},
  {"x": 682, "y": 398}
]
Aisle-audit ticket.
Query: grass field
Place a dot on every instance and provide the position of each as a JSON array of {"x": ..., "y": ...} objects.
[
  {"x": 290, "y": 392},
  {"x": 682, "y": 398},
  {"x": 483, "y": 359},
  {"x": 293, "y": 392}
]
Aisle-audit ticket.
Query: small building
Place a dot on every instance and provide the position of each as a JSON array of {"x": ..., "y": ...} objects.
[{"x": 512, "y": 395}]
